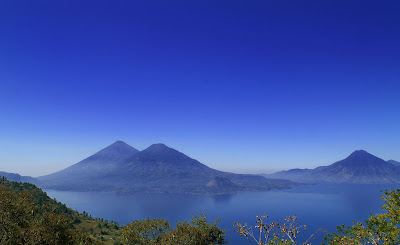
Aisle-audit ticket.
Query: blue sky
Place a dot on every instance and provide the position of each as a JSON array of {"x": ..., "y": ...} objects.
[{"x": 243, "y": 86}]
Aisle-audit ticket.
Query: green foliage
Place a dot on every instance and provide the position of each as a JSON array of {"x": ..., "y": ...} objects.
[
  {"x": 147, "y": 231},
  {"x": 381, "y": 228},
  {"x": 39, "y": 198},
  {"x": 197, "y": 231},
  {"x": 22, "y": 221},
  {"x": 29, "y": 216}
]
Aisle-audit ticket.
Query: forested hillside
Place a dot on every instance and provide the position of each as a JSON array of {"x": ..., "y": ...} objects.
[{"x": 29, "y": 216}]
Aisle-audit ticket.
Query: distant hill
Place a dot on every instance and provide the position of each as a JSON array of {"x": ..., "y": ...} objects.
[
  {"x": 221, "y": 184},
  {"x": 292, "y": 174},
  {"x": 359, "y": 167},
  {"x": 156, "y": 169},
  {"x": 18, "y": 178}
]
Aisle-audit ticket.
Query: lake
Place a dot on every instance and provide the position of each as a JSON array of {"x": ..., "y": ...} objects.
[{"x": 318, "y": 206}]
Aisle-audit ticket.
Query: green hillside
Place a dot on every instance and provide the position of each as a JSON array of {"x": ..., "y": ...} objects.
[{"x": 29, "y": 216}]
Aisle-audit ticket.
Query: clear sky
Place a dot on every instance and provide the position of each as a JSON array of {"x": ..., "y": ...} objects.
[{"x": 244, "y": 86}]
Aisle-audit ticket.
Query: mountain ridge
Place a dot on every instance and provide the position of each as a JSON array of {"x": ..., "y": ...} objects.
[
  {"x": 359, "y": 167},
  {"x": 157, "y": 168},
  {"x": 91, "y": 168},
  {"x": 18, "y": 178}
]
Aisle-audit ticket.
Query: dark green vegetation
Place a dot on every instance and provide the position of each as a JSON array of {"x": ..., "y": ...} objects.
[
  {"x": 119, "y": 167},
  {"x": 382, "y": 228},
  {"x": 360, "y": 167},
  {"x": 157, "y": 231},
  {"x": 29, "y": 216}
]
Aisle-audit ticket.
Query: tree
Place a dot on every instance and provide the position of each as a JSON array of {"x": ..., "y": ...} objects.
[
  {"x": 147, "y": 231},
  {"x": 383, "y": 228},
  {"x": 280, "y": 233},
  {"x": 197, "y": 231},
  {"x": 23, "y": 221}
]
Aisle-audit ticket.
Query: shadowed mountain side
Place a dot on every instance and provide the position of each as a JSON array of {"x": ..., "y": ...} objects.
[
  {"x": 162, "y": 159},
  {"x": 158, "y": 169},
  {"x": 221, "y": 184},
  {"x": 360, "y": 167},
  {"x": 396, "y": 163},
  {"x": 162, "y": 169},
  {"x": 18, "y": 178},
  {"x": 218, "y": 182}
]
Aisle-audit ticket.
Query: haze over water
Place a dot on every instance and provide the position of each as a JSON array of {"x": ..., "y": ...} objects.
[{"x": 318, "y": 206}]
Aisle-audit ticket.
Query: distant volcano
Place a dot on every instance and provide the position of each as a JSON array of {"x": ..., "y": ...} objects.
[
  {"x": 359, "y": 167},
  {"x": 85, "y": 173},
  {"x": 159, "y": 168}
]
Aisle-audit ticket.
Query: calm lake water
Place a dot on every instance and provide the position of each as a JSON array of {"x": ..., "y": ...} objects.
[{"x": 323, "y": 205}]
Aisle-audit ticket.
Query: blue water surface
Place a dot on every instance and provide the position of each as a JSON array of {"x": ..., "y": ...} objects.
[{"x": 318, "y": 206}]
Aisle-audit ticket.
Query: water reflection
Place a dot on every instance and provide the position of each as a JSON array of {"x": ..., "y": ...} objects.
[{"x": 223, "y": 199}]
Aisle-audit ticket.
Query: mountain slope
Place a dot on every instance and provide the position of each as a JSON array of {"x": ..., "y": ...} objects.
[
  {"x": 396, "y": 163},
  {"x": 359, "y": 167},
  {"x": 90, "y": 169},
  {"x": 158, "y": 168},
  {"x": 165, "y": 160}
]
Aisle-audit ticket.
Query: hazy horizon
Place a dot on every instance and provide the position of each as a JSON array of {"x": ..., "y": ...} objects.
[{"x": 240, "y": 86}]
